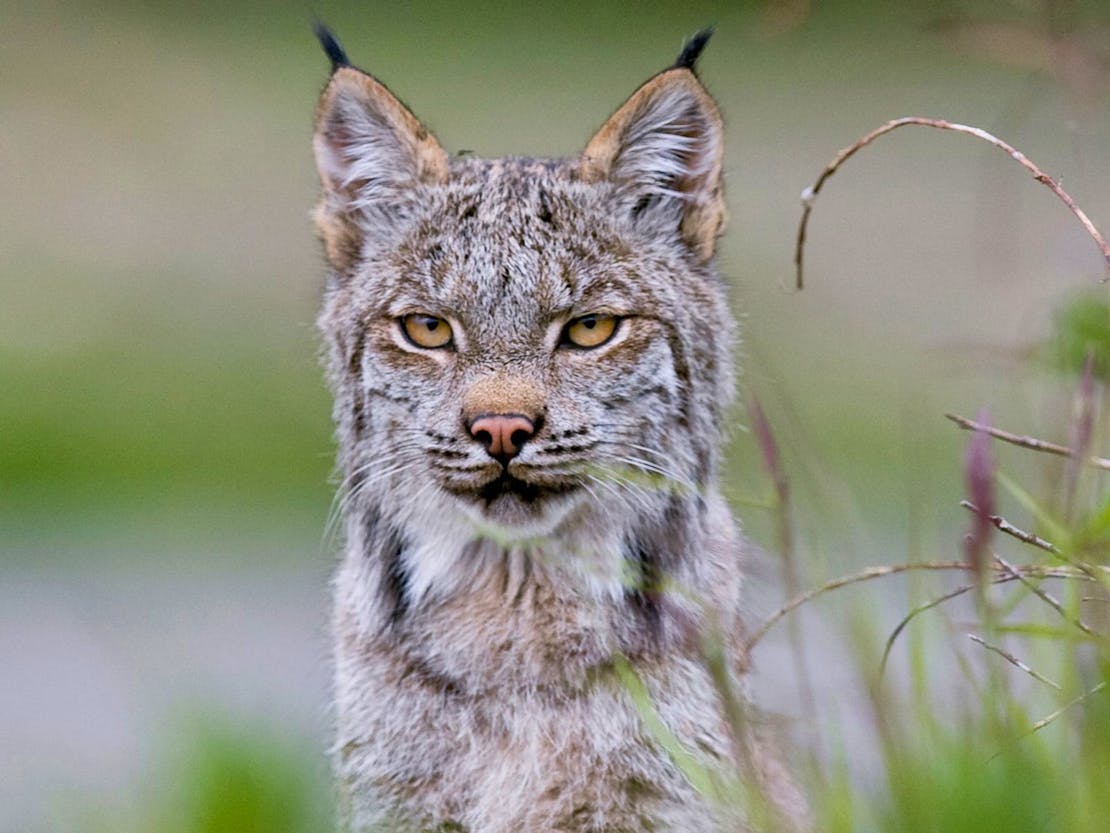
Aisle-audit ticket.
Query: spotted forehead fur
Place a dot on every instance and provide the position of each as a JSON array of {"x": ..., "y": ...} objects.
[{"x": 517, "y": 244}]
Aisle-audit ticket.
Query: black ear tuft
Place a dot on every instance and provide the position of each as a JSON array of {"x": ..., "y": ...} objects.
[
  {"x": 693, "y": 48},
  {"x": 332, "y": 47}
]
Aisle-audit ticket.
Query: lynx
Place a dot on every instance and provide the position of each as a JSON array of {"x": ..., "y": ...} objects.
[{"x": 531, "y": 366}]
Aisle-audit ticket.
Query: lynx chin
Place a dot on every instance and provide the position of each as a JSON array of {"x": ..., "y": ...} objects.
[{"x": 530, "y": 360}]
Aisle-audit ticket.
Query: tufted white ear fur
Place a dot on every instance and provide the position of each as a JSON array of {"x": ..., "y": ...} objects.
[
  {"x": 663, "y": 151},
  {"x": 372, "y": 155}
]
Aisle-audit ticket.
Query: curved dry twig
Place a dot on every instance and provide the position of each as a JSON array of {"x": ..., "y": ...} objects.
[
  {"x": 843, "y": 581},
  {"x": 1014, "y": 573},
  {"x": 1001, "y": 575},
  {"x": 1031, "y": 443},
  {"x": 810, "y": 193}
]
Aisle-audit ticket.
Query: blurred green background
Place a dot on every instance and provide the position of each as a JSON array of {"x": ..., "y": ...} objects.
[{"x": 164, "y": 431}]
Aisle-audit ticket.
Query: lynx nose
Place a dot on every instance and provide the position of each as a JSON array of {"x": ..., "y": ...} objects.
[{"x": 502, "y": 434}]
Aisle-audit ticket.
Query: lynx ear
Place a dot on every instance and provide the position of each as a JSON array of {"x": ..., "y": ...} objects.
[
  {"x": 372, "y": 155},
  {"x": 663, "y": 150}
]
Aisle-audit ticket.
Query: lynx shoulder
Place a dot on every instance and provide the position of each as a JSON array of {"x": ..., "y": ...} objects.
[{"x": 531, "y": 362}]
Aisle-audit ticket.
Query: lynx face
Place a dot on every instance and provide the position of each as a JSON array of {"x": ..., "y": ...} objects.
[{"x": 520, "y": 342}]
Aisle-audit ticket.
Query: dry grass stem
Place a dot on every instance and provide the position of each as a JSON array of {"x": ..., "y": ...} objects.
[
  {"x": 772, "y": 463},
  {"x": 1040, "y": 724},
  {"x": 1004, "y": 525},
  {"x": 854, "y": 578},
  {"x": 893, "y": 569},
  {"x": 909, "y": 617},
  {"x": 810, "y": 193},
  {"x": 1026, "y": 442},
  {"x": 1017, "y": 663},
  {"x": 1047, "y": 597},
  {"x": 1014, "y": 574}
]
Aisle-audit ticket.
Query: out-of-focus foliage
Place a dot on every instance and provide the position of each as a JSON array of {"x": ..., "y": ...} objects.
[
  {"x": 234, "y": 780},
  {"x": 1082, "y": 328},
  {"x": 221, "y": 777},
  {"x": 950, "y": 780}
]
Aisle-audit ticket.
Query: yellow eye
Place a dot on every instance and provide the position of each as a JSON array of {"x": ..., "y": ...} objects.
[
  {"x": 590, "y": 330},
  {"x": 426, "y": 331}
]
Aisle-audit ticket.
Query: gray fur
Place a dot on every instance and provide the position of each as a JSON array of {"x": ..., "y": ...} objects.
[{"x": 476, "y": 644}]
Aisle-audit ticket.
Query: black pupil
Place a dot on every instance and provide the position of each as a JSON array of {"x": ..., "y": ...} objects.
[
  {"x": 432, "y": 324},
  {"x": 589, "y": 323}
]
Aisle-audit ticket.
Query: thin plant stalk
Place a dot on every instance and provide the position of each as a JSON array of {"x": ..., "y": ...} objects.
[{"x": 809, "y": 195}]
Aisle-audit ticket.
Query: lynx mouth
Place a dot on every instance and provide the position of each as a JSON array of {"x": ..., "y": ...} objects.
[
  {"x": 506, "y": 491},
  {"x": 524, "y": 490},
  {"x": 506, "y": 484}
]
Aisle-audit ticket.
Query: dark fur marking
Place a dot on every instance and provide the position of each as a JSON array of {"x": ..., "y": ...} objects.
[
  {"x": 672, "y": 515},
  {"x": 544, "y": 214},
  {"x": 571, "y": 432},
  {"x": 443, "y": 438},
  {"x": 643, "y": 204},
  {"x": 400, "y": 400},
  {"x": 354, "y": 361},
  {"x": 332, "y": 48},
  {"x": 352, "y": 485},
  {"x": 422, "y": 672},
  {"x": 354, "y": 370},
  {"x": 624, "y": 399},
  {"x": 681, "y": 365},
  {"x": 703, "y": 466},
  {"x": 693, "y": 49},
  {"x": 637, "y": 789},
  {"x": 358, "y": 415},
  {"x": 395, "y": 582},
  {"x": 524, "y": 581},
  {"x": 645, "y": 592},
  {"x": 449, "y": 453},
  {"x": 561, "y": 449}
]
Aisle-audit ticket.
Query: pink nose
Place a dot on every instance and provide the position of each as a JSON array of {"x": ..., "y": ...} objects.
[{"x": 502, "y": 434}]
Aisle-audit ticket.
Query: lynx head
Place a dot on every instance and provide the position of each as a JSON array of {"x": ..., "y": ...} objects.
[{"x": 516, "y": 341}]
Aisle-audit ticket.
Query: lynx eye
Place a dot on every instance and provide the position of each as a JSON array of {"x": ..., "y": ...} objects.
[
  {"x": 590, "y": 331},
  {"x": 426, "y": 331}
]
